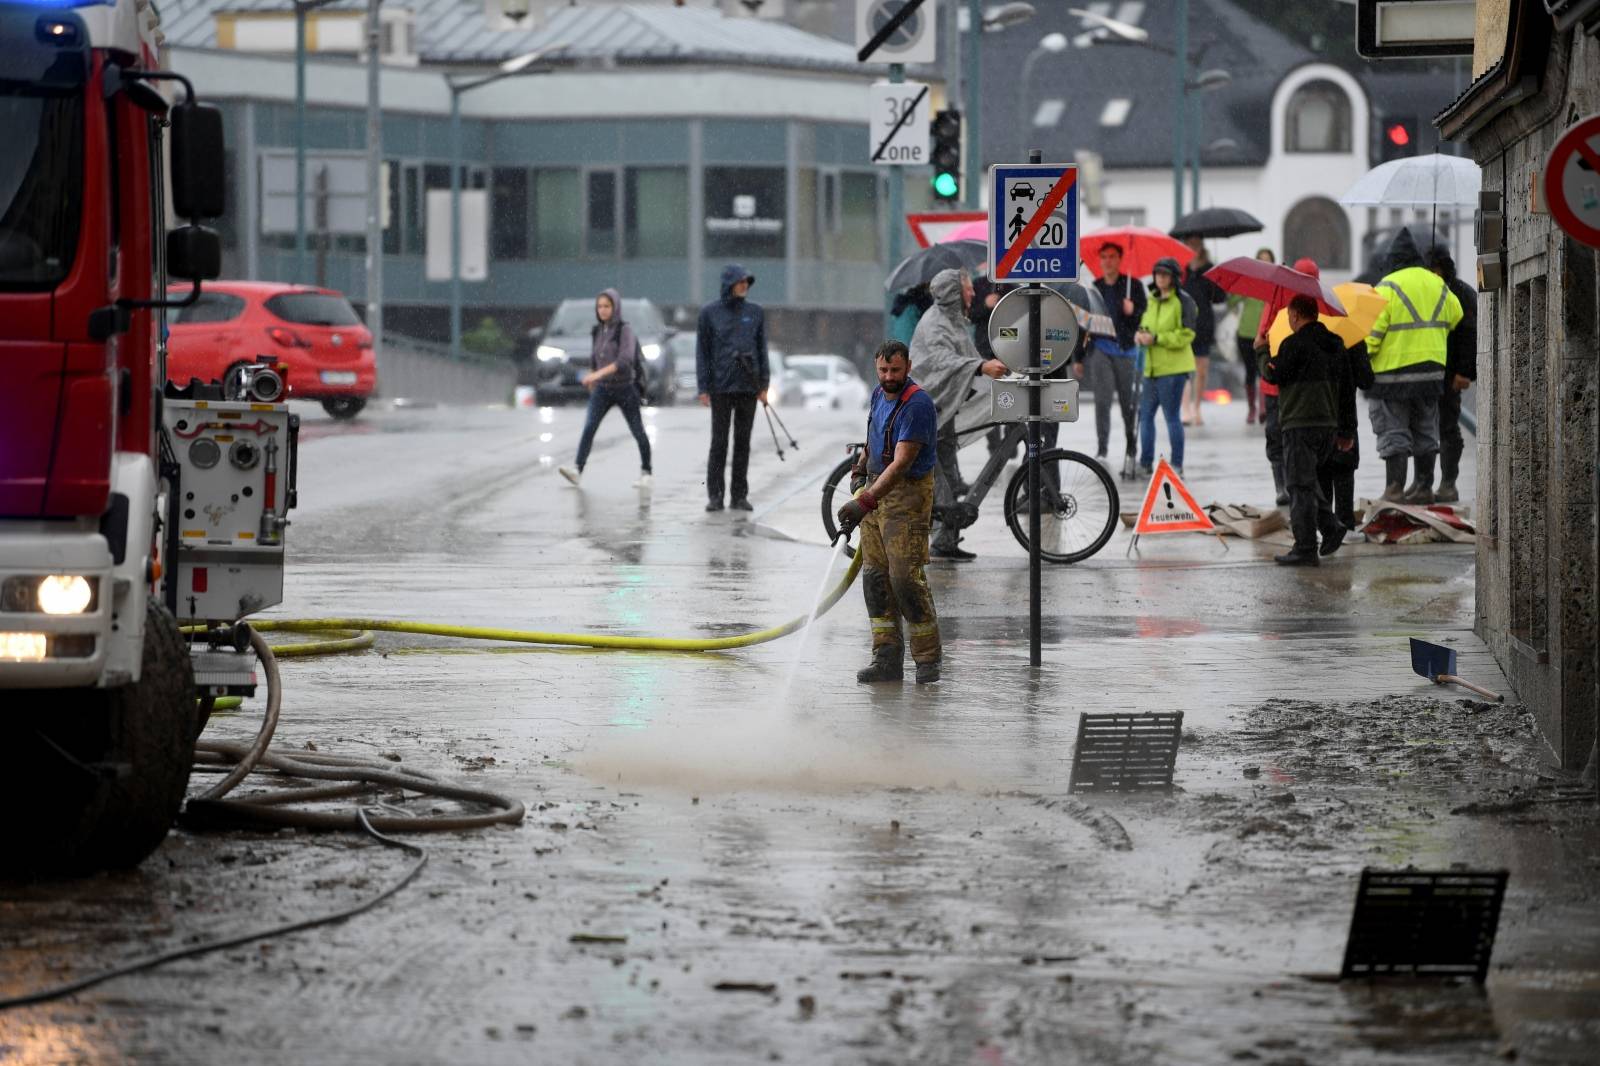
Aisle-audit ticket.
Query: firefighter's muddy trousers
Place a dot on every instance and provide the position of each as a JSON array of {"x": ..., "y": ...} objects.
[{"x": 894, "y": 546}]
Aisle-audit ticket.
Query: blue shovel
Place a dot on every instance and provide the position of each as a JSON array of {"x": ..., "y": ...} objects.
[{"x": 1437, "y": 663}]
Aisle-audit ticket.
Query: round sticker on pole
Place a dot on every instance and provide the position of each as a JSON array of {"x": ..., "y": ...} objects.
[{"x": 1008, "y": 331}]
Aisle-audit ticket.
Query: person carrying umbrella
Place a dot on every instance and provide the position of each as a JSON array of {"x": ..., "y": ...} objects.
[
  {"x": 1409, "y": 349},
  {"x": 1309, "y": 369},
  {"x": 1167, "y": 331},
  {"x": 1109, "y": 361},
  {"x": 1250, "y": 308},
  {"x": 1269, "y": 391}
]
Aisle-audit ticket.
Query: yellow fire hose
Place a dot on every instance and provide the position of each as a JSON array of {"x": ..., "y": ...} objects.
[{"x": 355, "y": 634}]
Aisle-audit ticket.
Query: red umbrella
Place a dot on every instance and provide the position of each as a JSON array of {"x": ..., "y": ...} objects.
[
  {"x": 1141, "y": 247},
  {"x": 1244, "y": 276}
]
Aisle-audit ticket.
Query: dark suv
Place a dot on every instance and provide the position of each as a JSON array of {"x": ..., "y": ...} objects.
[{"x": 561, "y": 357}]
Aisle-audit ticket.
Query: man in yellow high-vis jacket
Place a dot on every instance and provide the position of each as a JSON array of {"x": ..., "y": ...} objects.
[{"x": 1408, "y": 346}]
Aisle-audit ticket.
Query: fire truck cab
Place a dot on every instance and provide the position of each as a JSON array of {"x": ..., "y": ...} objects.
[{"x": 97, "y": 698}]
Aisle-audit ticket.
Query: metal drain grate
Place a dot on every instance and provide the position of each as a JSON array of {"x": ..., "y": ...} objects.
[
  {"x": 1419, "y": 923},
  {"x": 1125, "y": 752}
]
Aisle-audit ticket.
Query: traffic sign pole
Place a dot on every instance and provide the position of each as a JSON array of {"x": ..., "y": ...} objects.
[
  {"x": 897, "y": 209},
  {"x": 1035, "y": 384}
]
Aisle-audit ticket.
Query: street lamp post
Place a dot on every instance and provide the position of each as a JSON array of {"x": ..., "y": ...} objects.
[
  {"x": 996, "y": 18},
  {"x": 301, "y": 8},
  {"x": 510, "y": 68},
  {"x": 1182, "y": 89},
  {"x": 1204, "y": 82}
]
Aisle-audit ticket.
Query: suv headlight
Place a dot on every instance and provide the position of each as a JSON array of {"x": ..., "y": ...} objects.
[
  {"x": 548, "y": 352},
  {"x": 651, "y": 351}
]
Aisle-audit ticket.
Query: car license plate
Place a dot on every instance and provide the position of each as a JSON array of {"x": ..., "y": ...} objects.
[{"x": 338, "y": 377}]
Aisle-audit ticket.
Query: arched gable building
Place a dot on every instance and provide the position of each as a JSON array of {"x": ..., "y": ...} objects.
[{"x": 1282, "y": 136}]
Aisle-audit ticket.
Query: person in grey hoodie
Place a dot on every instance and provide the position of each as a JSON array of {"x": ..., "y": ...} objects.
[
  {"x": 947, "y": 362},
  {"x": 612, "y": 381}
]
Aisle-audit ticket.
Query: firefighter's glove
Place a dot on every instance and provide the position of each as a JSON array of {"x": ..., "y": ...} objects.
[
  {"x": 858, "y": 481},
  {"x": 854, "y": 510}
]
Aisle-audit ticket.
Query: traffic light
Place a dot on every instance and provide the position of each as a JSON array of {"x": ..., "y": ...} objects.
[
  {"x": 947, "y": 155},
  {"x": 1399, "y": 139}
]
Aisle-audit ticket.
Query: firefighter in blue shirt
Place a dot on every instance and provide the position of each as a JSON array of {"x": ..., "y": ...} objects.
[{"x": 894, "y": 509}]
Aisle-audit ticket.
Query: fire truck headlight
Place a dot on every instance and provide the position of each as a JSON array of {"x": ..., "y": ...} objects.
[
  {"x": 548, "y": 352},
  {"x": 65, "y": 594},
  {"x": 650, "y": 351}
]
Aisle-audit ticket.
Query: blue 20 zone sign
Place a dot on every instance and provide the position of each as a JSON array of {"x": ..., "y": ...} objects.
[{"x": 1033, "y": 222}]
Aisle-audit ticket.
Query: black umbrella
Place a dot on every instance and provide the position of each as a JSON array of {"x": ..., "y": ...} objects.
[
  {"x": 1217, "y": 222},
  {"x": 919, "y": 268}
]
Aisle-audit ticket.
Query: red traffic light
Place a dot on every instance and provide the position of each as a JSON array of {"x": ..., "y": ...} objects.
[{"x": 1399, "y": 135}]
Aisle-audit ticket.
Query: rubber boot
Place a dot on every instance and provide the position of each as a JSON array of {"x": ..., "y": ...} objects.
[
  {"x": 1278, "y": 483},
  {"x": 1394, "y": 488},
  {"x": 887, "y": 665},
  {"x": 1421, "y": 490},
  {"x": 928, "y": 673},
  {"x": 1449, "y": 469}
]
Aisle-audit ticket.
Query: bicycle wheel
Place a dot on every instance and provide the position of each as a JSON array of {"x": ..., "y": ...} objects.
[
  {"x": 1078, "y": 506},
  {"x": 837, "y": 485}
]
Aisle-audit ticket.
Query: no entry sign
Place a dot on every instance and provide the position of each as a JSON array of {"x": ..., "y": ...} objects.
[
  {"x": 1572, "y": 181},
  {"x": 1033, "y": 227}
]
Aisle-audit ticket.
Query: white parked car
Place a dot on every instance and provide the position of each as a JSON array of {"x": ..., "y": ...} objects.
[
  {"x": 781, "y": 387},
  {"x": 829, "y": 381}
]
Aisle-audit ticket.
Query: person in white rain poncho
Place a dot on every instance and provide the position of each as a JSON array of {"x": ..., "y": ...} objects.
[{"x": 947, "y": 363}]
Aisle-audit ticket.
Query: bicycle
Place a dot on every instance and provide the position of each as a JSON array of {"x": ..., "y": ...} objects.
[{"x": 1079, "y": 502}]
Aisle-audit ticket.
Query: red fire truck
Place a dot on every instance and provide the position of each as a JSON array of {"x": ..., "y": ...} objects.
[{"x": 97, "y": 692}]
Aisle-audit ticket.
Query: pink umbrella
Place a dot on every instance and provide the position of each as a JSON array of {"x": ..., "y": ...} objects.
[
  {"x": 1245, "y": 276},
  {"x": 968, "y": 231}
]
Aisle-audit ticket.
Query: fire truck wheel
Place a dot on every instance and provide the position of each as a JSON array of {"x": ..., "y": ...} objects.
[
  {"x": 101, "y": 774},
  {"x": 344, "y": 407}
]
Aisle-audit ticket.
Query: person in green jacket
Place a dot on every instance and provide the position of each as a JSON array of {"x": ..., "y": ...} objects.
[
  {"x": 1250, "y": 309},
  {"x": 1167, "y": 332},
  {"x": 1309, "y": 370}
]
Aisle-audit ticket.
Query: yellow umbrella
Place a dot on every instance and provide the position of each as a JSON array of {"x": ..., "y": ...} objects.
[{"x": 1363, "y": 302}]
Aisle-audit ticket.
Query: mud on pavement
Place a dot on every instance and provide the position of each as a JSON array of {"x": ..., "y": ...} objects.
[{"x": 906, "y": 925}]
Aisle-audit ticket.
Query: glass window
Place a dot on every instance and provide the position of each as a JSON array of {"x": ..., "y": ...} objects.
[
  {"x": 809, "y": 218},
  {"x": 1318, "y": 119},
  {"x": 656, "y": 212},
  {"x": 41, "y": 188},
  {"x": 858, "y": 217},
  {"x": 508, "y": 214},
  {"x": 744, "y": 212},
  {"x": 601, "y": 239},
  {"x": 1124, "y": 216},
  {"x": 557, "y": 214},
  {"x": 313, "y": 309},
  {"x": 210, "y": 306},
  {"x": 392, "y": 222},
  {"x": 1317, "y": 228},
  {"x": 412, "y": 211}
]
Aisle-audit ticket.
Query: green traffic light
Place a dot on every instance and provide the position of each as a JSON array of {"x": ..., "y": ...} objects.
[{"x": 946, "y": 184}]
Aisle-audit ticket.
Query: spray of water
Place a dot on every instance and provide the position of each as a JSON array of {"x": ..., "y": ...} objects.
[{"x": 805, "y": 633}]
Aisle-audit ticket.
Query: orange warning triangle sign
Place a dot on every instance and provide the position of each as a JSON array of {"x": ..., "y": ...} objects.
[{"x": 1168, "y": 507}]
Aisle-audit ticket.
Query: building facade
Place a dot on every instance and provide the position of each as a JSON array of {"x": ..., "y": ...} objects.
[
  {"x": 654, "y": 145},
  {"x": 1537, "y": 71},
  {"x": 1279, "y": 131}
]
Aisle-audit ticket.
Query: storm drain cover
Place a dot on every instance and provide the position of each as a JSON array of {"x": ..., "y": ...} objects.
[
  {"x": 1125, "y": 752},
  {"x": 1418, "y": 923}
]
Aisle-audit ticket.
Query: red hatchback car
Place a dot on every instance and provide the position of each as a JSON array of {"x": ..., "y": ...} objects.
[{"x": 314, "y": 332}]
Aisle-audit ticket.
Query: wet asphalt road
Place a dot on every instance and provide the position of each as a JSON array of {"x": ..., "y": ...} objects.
[{"x": 747, "y": 857}]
